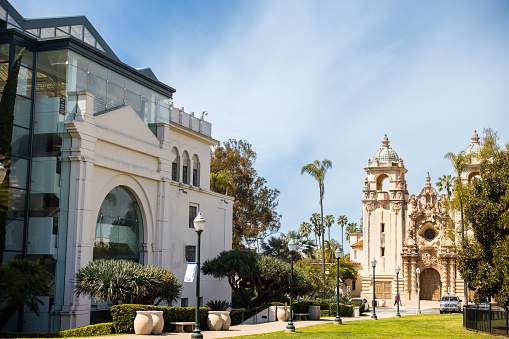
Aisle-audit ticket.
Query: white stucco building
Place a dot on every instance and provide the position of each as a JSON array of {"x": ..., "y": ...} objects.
[{"x": 104, "y": 166}]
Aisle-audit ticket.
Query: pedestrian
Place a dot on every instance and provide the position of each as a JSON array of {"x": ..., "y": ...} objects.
[{"x": 395, "y": 300}]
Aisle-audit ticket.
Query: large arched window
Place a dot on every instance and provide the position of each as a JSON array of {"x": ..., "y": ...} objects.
[
  {"x": 186, "y": 164},
  {"x": 119, "y": 228},
  {"x": 196, "y": 171}
]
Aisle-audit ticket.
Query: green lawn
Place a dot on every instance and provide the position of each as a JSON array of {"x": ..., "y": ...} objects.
[{"x": 415, "y": 326}]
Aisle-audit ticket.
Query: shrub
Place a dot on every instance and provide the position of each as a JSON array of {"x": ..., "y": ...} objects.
[
  {"x": 123, "y": 316},
  {"x": 88, "y": 331},
  {"x": 301, "y": 306},
  {"x": 360, "y": 304},
  {"x": 324, "y": 304},
  {"x": 344, "y": 310}
]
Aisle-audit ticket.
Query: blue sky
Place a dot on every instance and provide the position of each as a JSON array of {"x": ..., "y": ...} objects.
[{"x": 306, "y": 80}]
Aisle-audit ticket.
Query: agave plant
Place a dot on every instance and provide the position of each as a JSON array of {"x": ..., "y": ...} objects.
[
  {"x": 218, "y": 305},
  {"x": 127, "y": 282}
]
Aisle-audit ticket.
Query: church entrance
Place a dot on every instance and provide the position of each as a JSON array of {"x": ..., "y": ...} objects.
[{"x": 431, "y": 286}]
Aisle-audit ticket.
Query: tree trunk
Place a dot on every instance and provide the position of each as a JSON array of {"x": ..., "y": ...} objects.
[{"x": 323, "y": 240}]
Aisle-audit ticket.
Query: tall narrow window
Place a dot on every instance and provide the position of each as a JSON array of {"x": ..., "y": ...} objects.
[
  {"x": 193, "y": 211},
  {"x": 353, "y": 285},
  {"x": 190, "y": 253},
  {"x": 196, "y": 171},
  {"x": 382, "y": 251},
  {"x": 185, "y": 168},
  {"x": 184, "y": 302},
  {"x": 175, "y": 165},
  {"x": 382, "y": 227}
]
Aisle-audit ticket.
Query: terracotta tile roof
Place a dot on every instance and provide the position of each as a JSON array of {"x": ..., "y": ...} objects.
[{"x": 357, "y": 244}]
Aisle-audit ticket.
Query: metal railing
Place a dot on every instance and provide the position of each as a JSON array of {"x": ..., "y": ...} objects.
[{"x": 486, "y": 320}]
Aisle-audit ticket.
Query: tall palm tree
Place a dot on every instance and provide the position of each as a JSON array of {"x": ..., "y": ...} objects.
[
  {"x": 445, "y": 183},
  {"x": 329, "y": 221},
  {"x": 459, "y": 162},
  {"x": 342, "y": 221},
  {"x": 304, "y": 245},
  {"x": 317, "y": 170}
]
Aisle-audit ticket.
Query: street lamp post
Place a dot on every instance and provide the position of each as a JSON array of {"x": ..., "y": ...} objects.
[
  {"x": 398, "y": 269},
  {"x": 418, "y": 270},
  {"x": 373, "y": 264},
  {"x": 292, "y": 246},
  {"x": 199, "y": 225},
  {"x": 338, "y": 320}
]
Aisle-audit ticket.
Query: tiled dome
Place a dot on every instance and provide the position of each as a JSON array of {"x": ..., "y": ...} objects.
[
  {"x": 386, "y": 154},
  {"x": 474, "y": 148}
]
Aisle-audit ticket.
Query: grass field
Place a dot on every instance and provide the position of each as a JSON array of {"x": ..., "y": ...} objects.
[{"x": 415, "y": 326}]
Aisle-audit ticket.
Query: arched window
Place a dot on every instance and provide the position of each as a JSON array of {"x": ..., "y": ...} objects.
[
  {"x": 196, "y": 171},
  {"x": 119, "y": 228},
  {"x": 185, "y": 167},
  {"x": 383, "y": 183},
  {"x": 175, "y": 164}
]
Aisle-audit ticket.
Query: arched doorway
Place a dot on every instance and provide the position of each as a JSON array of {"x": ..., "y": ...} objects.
[{"x": 431, "y": 286}]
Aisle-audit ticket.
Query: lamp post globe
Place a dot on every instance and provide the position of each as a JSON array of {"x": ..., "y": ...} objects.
[
  {"x": 398, "y": 269},
  {"x": 292, "y": 247},
  {"x": 373, "y": 264},
  {"x": 338, "y": 320},
  {"x": 3, "y": 173},
  {"x": 199, "y": 226}
]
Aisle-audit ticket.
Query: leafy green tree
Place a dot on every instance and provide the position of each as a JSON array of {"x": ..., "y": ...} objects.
[
  {"x": 330, "y": 247},
  {"x": 317, "y": 170},
  {"x": 254, "y": 278},
  {"x": 22, "y": 283},
  {"x": 127, "y": 282},
  {"x": 346, "y": 271},
  {"x": 351, "y": 228},
  {"x": 482, "y": 260},
  {"x": 342, "y": 221},
  {"x": 7, "y": 103},
  {"x": 254, "y": 209},
  {"x": 316, "y": 223}
]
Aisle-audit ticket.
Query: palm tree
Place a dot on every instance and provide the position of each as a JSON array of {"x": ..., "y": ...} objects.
[
  {"x": 445, "y": 183},
  {"x": 329, "y": 221},
  {"x": 342, "y": 221},
  {"x": 351, "y": 228},
  {"x": 305, "y": 229},
  {"x": 330, "y": 248},
  {"x": 222, "y": 182},
  {"x": 276, "y": 246},
  {"x": 317, "y": 229},
  {"x": 304, "y": 245},
  {"x": 459, "y": 162},
  {"x": 317, "y": 170}
]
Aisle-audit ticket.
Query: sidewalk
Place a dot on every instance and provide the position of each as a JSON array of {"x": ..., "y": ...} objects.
[{"x": 409, "y": 308}]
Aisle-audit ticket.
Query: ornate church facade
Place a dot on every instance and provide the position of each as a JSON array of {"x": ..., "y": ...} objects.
[{"x": 405, "y": 230}]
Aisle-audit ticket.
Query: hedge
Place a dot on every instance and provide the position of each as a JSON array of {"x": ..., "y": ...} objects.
[
  {"x": 96, "y": 330},
  {"x": 344, "y": 310},
  {"x": 123, "y": 316}
]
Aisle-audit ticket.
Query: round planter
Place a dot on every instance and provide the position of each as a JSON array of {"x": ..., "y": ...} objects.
[
  {"x": 282, "y": 314},
  {"x": 314, "y": 312},
  {"x": 225, "y": 316},
  {"x": 143, "y": 322},
  {"x": 214, "y": 321},
  {"x": 158, "y": 322}
]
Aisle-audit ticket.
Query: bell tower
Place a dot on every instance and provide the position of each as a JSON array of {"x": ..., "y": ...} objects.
[{"x": 384, "y": 208}]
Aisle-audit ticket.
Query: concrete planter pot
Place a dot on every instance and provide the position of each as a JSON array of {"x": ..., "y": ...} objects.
[
  {"x": 225, "y": 316},
  {"x": 314, "y": 312},
  {"x": 143, "y": 322},
  {"x": 282, "y": 314},
  {"x": 214, "y": 321},
  {"x": 157, "y": 321}
]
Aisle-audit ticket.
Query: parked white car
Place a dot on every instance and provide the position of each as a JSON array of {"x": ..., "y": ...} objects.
[
  {"x": 450, "y": 303},
  {"x": 364, "y": 301}
]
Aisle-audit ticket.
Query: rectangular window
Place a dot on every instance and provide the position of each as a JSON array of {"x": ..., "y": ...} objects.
[
  {"x": 382, "y": 251},
  {"x": 185, "y": 175},
  {"x": 200, "y": 301},
  {"x": 183, "y": 302},
  {"x": 190, "y": 253},
  {"x": 193, "y": 212},
  {"x": 382, "y": 227},
  {"x": 195, "y": 177},
  {"x": 355, "y": 254},
  {"x": 353, "y": 285},
  {"x": 174, "y": 170}
]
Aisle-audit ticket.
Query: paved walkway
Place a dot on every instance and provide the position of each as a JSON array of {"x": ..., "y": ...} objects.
[{"x": 409, "y": 308}]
